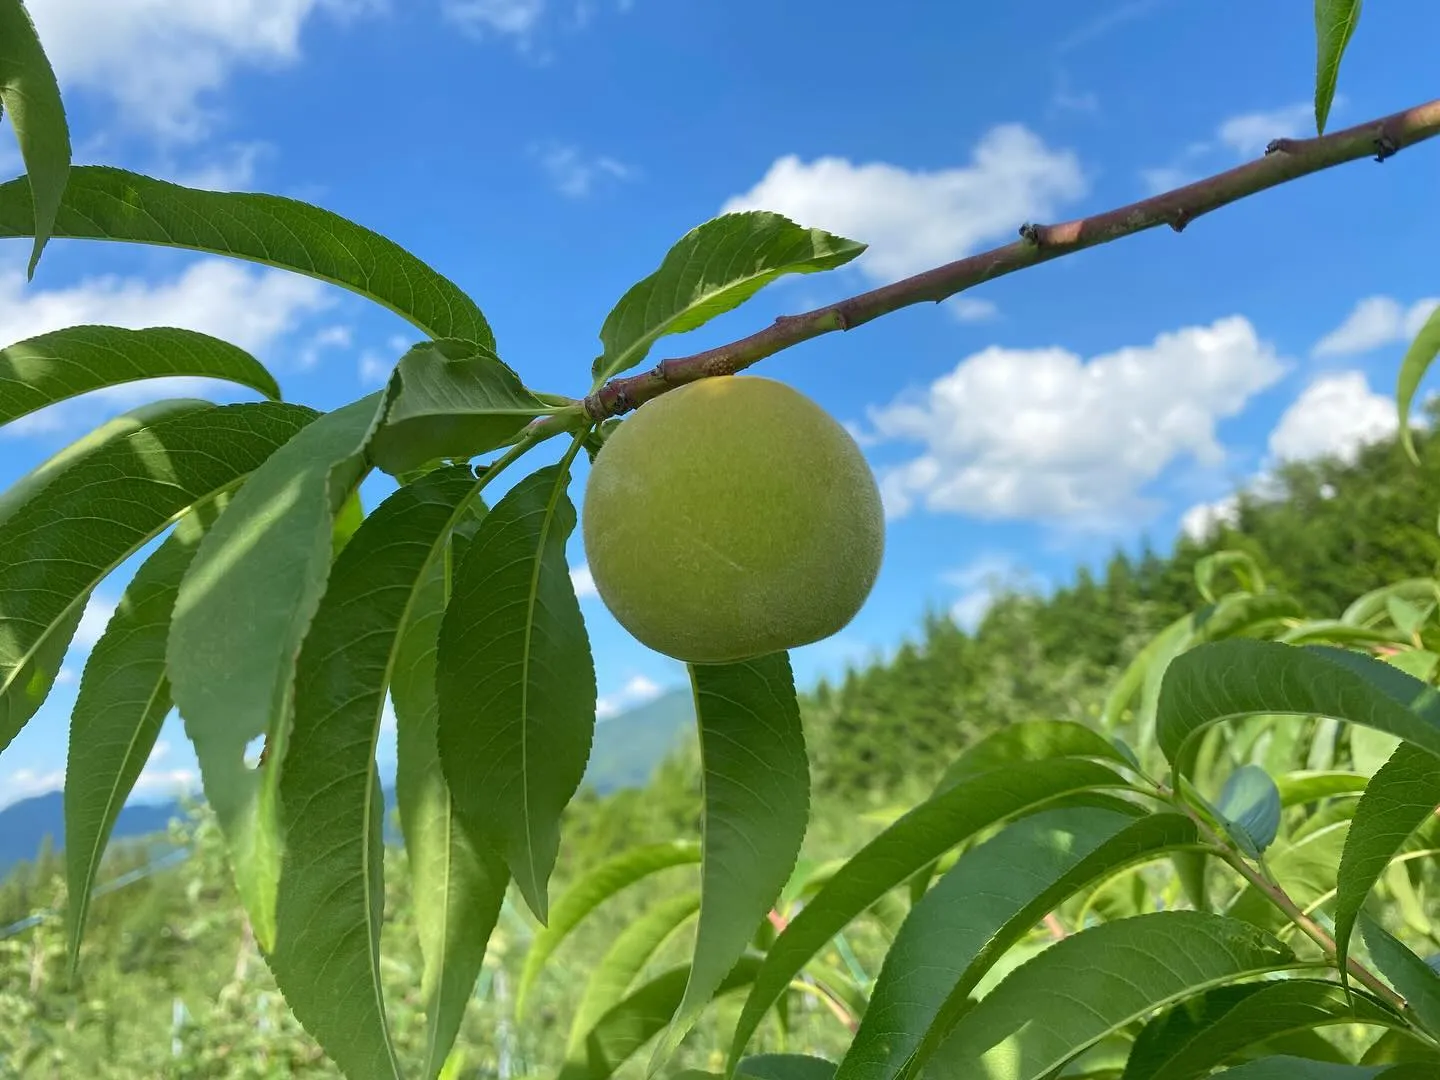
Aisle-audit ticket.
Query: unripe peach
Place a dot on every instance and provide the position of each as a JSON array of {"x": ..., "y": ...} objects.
[{"x": 731, "y": 518}]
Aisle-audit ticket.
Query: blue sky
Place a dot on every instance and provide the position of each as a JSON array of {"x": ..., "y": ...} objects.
[{"x": 545, "y": 153}]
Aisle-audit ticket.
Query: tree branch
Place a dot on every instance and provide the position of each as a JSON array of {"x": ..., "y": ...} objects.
[{"x": 1284, "y": 160}]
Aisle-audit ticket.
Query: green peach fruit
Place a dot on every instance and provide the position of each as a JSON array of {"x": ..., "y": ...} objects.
[{"x": 731, "y": 518}]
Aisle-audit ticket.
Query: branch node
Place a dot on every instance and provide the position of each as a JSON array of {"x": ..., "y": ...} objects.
[
  {"x": 662, "y": 371},
  {"x": 1030, "y": 232},
  {"x": 1180, "y": 219},
  {"x": 1385, "y": 146},
  {"x": 841, "y": 319},
  {"x": 1279, "y": 146}
]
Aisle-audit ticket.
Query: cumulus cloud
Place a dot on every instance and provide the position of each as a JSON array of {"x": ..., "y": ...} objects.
[
  {"x": 915, "y": 219},
  {"x": 1336, "y": 414},
  {"x": 584, "y": 582},
  {"x": 27, "y": 783},
  {"x": 251, "y": 308},
  {"x": 93, "y": 620},
  {"x": 1373, "y": 322},
  {"x": 972, "y": 308},
  {"x": 1201, "y": 521},
  {"x": 1249, "y": 133},
  {"x": 636, "y": 692},
  {"x": 1044, "y": 434},
  {"x": 158, "y": 59},
  {"x": 1242, "y": 136}
]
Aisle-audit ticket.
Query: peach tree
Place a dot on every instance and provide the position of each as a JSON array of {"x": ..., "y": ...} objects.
[{"x": 273, "y": 606}]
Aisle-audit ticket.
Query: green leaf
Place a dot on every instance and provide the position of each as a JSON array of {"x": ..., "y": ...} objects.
[
  {"x": 123, "y": 700},
  {"x": 1398, "y": 800},
  {"x": 757, "y": 804},
  {"x": 101, "y": 203},
  {"x": 922, "y": 835},
  {"x": 242, "y": 614},
  {"x": 516, "y": 682},
  {"x": 31, "y": 96},
  {"x": 1240, "y": 563},
  {"x": 1298, "y": 788},
  {"x": 1418, "y": 358},
  {"x": 25, "y": 489},
  {"x": 90, "y": 514},
  {"x": 1337, "y": 632},
  {"x": 994, "y": 895},
  {"x": 786, "y": 1067},
  {"x": 457, "y": 888},
  {"x": 1395, "y": 1046},
  {"x": 1414, "y": 979},
  {"x": 1147, "y": 666},
  {"x": 1304, "y": 868},
  {"x": 1226, "y": 680},
  {"x": 1334, "y": 23},
  {"x": 1026, "y": 741},
  {"x": 1374, "y": 607},
  {"x": 1249, "y": 808},
  {"x": 590, "y": 892},
  {"x": 623, "y": 961},
  {"x": 1240, "y": 614},
  {"x": 1285, "y": 1067},
  {"x": 1189, "y": 1040},
  {"x": 450, "y": 399},
  {"x": 40, "y": 371},
  {"x": 714, "y": 268},
  {"x": 1096, "y": 982},
  {"x": 632, "y": 1023},
  {"x": 330, "y": 907}
]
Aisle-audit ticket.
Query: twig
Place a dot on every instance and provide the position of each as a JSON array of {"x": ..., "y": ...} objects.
[
  {"x": 1284, "y": 160},
  {"x": 1282, "y": 900}
]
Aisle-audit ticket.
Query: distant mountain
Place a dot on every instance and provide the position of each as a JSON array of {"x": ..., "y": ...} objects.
[
  {"x": 628, "y": 747},
  {"x": 25, "y": 824}
]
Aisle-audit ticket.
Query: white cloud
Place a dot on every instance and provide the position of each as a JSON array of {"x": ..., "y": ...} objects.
[
  {"x": 374, "y": 369},
  {"x": 1043, "y": 434},
  {"x": 972, "y": 308},
  {"x": 633, "y": 694},
  {"x": 1373, "y": 322},
  {"x": 574, "y": 174},
  {"x": 1245, "y": 135},
  {"x": 515, "y": 18},
  {"x": 1249, "y": 133},
  {"x": 250, "y": 308},
  {"x": 327, "y": 338},
  {"x": 27, "y": 783},
  {"x": 914, "y": 220},
  {"x": 584, "y": 582},
  {"x": 159, "y": 59},
  {"x": 164, "y": 783},
  {"x": 1337, "y": 414},
  {"x": 93, "y": 620},
  {"x": 233, "y": 169},
  {"x": 1200, "y": 521},
  {"x": 980, "y": 583}
]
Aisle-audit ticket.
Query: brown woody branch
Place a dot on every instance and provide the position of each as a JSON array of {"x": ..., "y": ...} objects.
[{"x": 1284, "y": 160}]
